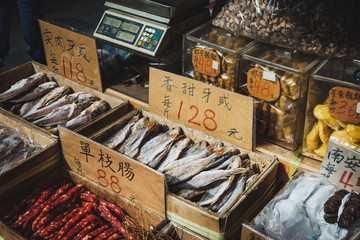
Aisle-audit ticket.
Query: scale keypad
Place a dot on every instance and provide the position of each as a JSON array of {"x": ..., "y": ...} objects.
[{"x": 150, "y": 38}]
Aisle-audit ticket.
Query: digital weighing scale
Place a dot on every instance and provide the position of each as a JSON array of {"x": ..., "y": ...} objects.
[{"x": 151, "y": 30}]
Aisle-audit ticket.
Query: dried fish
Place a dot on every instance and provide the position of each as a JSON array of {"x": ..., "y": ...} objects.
[
  {"x": 251, "y": 180},
  {"x": 37, "y": 92},
  {"x": 214, "y": 193},
  {"x": 195, "y": 149},
  {"x": 174, "y": 152},
  {"x": 95, "y": 109},
  {"x": 190, "y": 193},
  {"x": 187, "y": 171},
  {"x": 49, "y": 98},
  {"x": 22, "y": 86},
  {"x": 159, "y": 150},
  {"x": 63, "y": 114},
  {"x": 132, "y": 144},
  {"x": 232, "y": 195},
  {"x": 119, "y": 137}
]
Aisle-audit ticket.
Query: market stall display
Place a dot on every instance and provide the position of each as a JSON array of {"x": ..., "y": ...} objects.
[
  {"x": 212, "y": 55},
  {"x": 310, "y": 207},
  {"x": 277, "y": 79},
  {"x": 318, "y": 27},
  {"x": 331, "y": 110},
  {"x": 212, "y": 175},
  {"x": 190, "y": 160}
]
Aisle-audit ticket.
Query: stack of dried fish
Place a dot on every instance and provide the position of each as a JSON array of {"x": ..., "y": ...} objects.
[
  {"x": 14, "y": 146},
  {"x": 214, "y": 176},
  {"x": 46, "y": 104}
]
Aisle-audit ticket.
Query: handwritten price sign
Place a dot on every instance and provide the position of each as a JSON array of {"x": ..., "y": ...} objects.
[
  {"x": 71, "y": 55},
  {"x": 113, "y": 171},
  {"x": 263, "y": 84},
  {"x": 215, "y": 111},
  {"x": 342, "y": 165},
  {"x": 206, "y": 61},
  {"x": 344, "y": 104}
]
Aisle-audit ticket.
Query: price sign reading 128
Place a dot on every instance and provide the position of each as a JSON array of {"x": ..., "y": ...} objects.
[
  {"x": 212, "y": 110},
  {"x": 205, "y": 119}
]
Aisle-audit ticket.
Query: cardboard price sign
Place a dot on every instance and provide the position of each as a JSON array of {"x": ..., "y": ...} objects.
[
  {"x": 206, "y": 61},
  {"x": 223, "y": 114},
  {"x": 344, "y": 104},
  {"x": 263, "y": 84},
  {"x": 342, "y": 165},
  {"x": 71, "y": 55},
  {"x": 114, "y": 171}
]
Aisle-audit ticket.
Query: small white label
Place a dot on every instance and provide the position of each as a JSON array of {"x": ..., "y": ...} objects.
[
  {"x": 215, "y": 65},
  {"x": 358, "y": 108},
  {"x": 267, "y": 75}
]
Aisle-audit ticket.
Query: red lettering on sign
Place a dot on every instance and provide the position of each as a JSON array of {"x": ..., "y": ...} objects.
[
  {"x": 209, "y": 122},
  {"x": 346, "y": 183}
]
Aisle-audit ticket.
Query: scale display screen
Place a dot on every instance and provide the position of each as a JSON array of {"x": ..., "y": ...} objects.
[
  {"x": 131, "y": 32},
  {"x": 112, "y": 22},
  {"x": 130, "y": 27}
]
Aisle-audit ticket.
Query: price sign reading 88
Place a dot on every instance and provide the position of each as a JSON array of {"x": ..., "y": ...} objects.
[
  {"x": 205, "y": 118},
  {"x": 106, "y": 181}
]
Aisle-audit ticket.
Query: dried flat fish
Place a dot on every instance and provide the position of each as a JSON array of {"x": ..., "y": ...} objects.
[
  {"x": 49, "y": 98},
  {"x": 187, "y": 171},
  {"x": 22, "y": 86},
  {"x": 174, "y": 153},
  {"x": 67, "y": 99},
  {"x": 160, "y": 149},
  {"x": 149, "y": 145},
  {"x": 131, "y": 147},
  {"x": 190, "y": 193},
  {"x": 232, "y": 195},
  {"x": 63, "y": 114},
  {"x": 119, "y": 137},
  {"x": 214, "y": 193},
  {"x": 37, "y": 92},
  {"x": 95, "y": 109},
  {"x": 251, "y": 180},
  {"x": 206, "y": 178},
  {"x": 195, "y": 149}
]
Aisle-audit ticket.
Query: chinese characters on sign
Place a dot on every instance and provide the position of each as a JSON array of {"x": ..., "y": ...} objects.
[
  {"x": 206, "y": 61},
  {"x": 342, "y": 165},
  {"x": 344, "y": 104},
  {"x": 71, "y": 55},
  {"x": 212, "y": 110},
  {"x": 118, "y": 169}
]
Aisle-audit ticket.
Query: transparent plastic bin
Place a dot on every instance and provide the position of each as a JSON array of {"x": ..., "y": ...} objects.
[
  {"x": 280, "y": 107},
  {"x": 327, "y": 117},
  {"x": 212, "y": 55}
]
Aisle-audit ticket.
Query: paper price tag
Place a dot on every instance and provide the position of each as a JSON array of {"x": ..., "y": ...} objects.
[
  {"x": 71, "y": 55},
  {"x": 212, "y": 110},
  {"x": 344, "y": 104},
  {"x": 206, "y": 61},
  {"x": 263, "y": 84},
  {"x": 341, "y": 165}
]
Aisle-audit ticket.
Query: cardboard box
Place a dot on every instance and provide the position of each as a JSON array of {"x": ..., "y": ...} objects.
[
  {"x": 184, "y": 212},
  {"x": 118, "y": 106},
  {"x": 28, "y": 170},
  {"x": 177, "y": 232},
  {"x": 146, "y": 218}
]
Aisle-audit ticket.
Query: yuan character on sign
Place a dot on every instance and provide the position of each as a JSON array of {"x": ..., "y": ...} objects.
[{"x": 233, "y": 132}]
